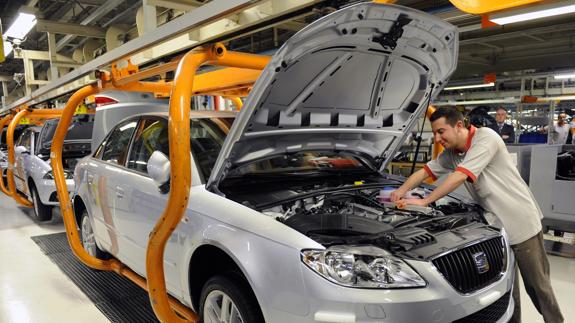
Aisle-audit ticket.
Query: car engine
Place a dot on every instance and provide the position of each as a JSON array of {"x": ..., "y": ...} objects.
[{"x": 360, "y": 216}]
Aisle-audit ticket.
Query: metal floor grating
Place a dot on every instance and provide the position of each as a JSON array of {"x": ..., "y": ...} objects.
[{"x": 116, "y": 297}]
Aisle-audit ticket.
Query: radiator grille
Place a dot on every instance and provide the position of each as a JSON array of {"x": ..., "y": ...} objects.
[{"x": 473, "y": 267}]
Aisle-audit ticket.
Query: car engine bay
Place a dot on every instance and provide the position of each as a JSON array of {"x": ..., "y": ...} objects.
[{"x": 359, "y": 216}]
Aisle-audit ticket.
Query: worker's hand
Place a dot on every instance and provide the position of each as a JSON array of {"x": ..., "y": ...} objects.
[
  {"x": 505, "y": 136},
  {"x": 401, "y": 204},
  {"x": 397, "y": 195}
]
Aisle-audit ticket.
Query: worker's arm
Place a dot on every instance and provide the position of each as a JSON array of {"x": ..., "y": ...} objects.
[
  {"x": 452, "y": 182},
  {"x": 413, "y": 181}
]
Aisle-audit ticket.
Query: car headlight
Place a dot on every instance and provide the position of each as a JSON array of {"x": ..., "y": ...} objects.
[
  {"x": 362, "y": 267},
  {"x": 505, "y": 250},
  {"x": 50, "y": 175}
]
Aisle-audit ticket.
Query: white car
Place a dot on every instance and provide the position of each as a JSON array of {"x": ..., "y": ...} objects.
[
  {"x": 32, "y": 171},
  {"x": 287, "y": 219}
]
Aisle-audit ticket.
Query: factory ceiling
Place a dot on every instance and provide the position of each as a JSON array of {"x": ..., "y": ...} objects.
[{"x": 540, "y": 46}]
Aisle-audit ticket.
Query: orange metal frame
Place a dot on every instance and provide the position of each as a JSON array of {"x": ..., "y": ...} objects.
[
  {"x": 39, "y": 114},
  {"x": 3, "y": 123},
  {"x": 478, "y": 7},
  {"x": 182, "y": 90}
]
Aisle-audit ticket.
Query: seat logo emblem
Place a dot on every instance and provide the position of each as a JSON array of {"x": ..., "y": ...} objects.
[{"x": 481, "y": 262}]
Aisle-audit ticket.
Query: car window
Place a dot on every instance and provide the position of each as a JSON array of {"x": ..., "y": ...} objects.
[
  {"x": 152, "y": 135},
  {"x": 24, "y": 140},
  {"x": 115, "y": 147},
  {"x": 206, "y": 138}
]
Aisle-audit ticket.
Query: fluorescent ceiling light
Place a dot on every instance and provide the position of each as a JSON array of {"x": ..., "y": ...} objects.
[
  {"x": 534, "y": 12},
  {"x": 19, "y": 29},
  {"x": 7, "y": 48},
  {"x": 564, "y": 76},
  {"x": 472, "y": 86}
]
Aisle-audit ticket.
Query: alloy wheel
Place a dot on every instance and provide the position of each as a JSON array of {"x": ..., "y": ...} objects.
[
  {"x": 220, "y": 308},
  {"x": 88, "y": 240}
]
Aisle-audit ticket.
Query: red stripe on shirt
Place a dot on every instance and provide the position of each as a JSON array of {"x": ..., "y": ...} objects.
[
  {"x": 470, "y": 137},
  {"x": 467, "y": 172},
  {"x": 429, "y": 172}
]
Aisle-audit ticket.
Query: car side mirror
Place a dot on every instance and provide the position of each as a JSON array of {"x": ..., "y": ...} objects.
[
  {"x": 21, "y": 150},
  {"x": 159, "y": 170}
]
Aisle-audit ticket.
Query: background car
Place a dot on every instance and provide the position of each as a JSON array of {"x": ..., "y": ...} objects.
[
  {"x": 285, "y": 222},
  {"x": 32, "y": 171}
]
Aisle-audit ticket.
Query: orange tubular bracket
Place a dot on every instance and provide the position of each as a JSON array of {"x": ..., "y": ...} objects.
[
  {"x": 3, "y": 123},
  {"x": 10, "y": 173},
  {"x": 478, "y": 7},
  {"x": 237, "y": 102},
  {"x": 32, "y": 114},
  {"x": 61, "y": 188},
  {"x": 64, "y": 197},
  {"x": 180, "y": 175}
]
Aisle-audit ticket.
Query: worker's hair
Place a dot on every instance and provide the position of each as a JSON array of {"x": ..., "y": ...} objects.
[
  {"x": 451, "y": 115},
  {"x": 501, "y": 108}
]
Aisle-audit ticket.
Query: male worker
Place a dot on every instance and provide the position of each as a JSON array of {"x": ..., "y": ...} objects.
[
  {"x": 478, "y": 157},
  {"x": 559, "y": 131},
  {"x": 506, "y": 131}
]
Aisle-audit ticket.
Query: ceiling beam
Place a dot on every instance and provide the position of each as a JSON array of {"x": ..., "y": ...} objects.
[
  {"x": 533, "y": 37},
  {"x": 91, "y": 2},
  {"x": 94, "y": 16},
  {"x": 518, "y": 33},
  {"x": 489, "y": 45},
  {"x": 64, "y": 28},
  {"x": 185, "y": 5}
]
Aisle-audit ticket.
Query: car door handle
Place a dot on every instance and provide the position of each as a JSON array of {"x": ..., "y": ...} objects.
[
  {"x": 90, "y": 179},
  {"x": 119, "y": 192}
]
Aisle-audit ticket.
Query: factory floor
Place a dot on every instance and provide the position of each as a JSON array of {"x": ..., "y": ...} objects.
[{"x": 33, "y": 289}]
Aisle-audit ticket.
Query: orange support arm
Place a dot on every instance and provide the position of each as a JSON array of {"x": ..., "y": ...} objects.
[
  {"x": 180, "y": 175},
  {"x": 61, "y": 187},
  {"x": 179, "y": 132},
  {"x": 32, "y": 114},
  {"x": 3, "y": 123},
  {"x": 237, "y": 102},
  {"x": 64, "y": 197},
  {"x": 478, "y": 7},
  {"x": 10, "y": 174}
]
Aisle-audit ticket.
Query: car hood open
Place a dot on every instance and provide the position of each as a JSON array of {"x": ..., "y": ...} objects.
[{"x": 356, "y": 80}]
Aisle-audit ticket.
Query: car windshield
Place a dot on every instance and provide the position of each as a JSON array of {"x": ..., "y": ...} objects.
[
  {"x": 80, "y": 129},
  {"x": 305, "y": 163},
  {"x": 206, "y": 139}
]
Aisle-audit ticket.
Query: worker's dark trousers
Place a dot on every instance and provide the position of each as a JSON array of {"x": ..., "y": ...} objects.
[{"x": 532, "y": 261}]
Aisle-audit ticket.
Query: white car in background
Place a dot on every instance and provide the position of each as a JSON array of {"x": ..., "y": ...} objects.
[
  {"x": 32, "y": 171},
  {"x": 286, "y": 220}
]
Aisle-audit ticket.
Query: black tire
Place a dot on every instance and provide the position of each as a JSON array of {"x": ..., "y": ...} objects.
[
  {"x": 87, "y": 234},
  {"x": 5, "y": 178},
  {"x": 234, "y": 286},
  {"x": 42, "y": 211}
]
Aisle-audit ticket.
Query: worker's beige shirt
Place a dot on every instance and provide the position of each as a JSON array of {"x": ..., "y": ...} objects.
[{"x": 493, "y": 181}]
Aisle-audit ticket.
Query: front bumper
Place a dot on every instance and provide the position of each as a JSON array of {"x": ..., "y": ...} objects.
[
  {"x": 47, "y": 190},
  {"x": 437, "y": 302}
]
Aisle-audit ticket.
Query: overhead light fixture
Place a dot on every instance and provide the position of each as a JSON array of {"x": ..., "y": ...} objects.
[
  {"x": 564, "y": 76},
  {"x": 19, "y": 29},
  {"x": 471, "y": 86},
  {"x": 533, "y": 12}
]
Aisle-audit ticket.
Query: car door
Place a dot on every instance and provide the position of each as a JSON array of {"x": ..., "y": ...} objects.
[
  {"x": 22, "y": 160},
  {"x": 143, "y": 203},
  {"x": 146, "y": 202},
  {"x": 103, "y": 177}
]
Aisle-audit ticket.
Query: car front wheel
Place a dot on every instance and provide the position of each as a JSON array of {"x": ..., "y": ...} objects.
[
  {"x": 42, "y": 211},
  {"x": 88, "y": 238},
  {"x": 229, "y": 299}
]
